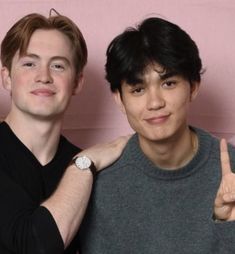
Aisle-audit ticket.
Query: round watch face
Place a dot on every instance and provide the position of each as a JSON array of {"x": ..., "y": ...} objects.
[{"x": 83, "y": 162}]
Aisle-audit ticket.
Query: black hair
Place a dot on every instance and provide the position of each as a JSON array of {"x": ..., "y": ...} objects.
[{"x": 155, "y": 40}]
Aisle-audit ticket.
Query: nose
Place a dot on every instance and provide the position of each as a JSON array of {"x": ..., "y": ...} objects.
[
  {"x": 155, "y": 100},
  {"x": 43, "y": 75}
]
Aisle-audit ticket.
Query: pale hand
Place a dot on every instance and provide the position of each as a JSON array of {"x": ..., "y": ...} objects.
[
  {"x": 105, "y": 154},
  {"x": 224, "y": 207}
]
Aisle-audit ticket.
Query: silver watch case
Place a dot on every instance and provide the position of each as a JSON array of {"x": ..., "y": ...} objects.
[
  {"x": 85, "y": 163},
  {"x": 82, "y": 162}
]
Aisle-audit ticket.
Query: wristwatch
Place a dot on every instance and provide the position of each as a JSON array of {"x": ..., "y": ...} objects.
[{"x": 84, "y": 163}]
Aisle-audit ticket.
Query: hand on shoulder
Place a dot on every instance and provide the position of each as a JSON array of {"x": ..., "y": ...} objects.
[{"x": 106, "y": 153}]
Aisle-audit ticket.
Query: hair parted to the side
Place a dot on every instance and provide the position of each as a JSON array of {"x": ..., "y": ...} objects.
[
  {"x": 19, "y": 35},
  {"x": 155, "y": 40}
]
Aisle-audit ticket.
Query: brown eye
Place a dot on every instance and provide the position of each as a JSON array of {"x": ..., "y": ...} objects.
[
  {"x": 138, "y": 90},
  {"x": 169, "y": 84}
]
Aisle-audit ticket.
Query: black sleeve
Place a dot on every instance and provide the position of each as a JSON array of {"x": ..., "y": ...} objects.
[{"x": 25, "y": 227}]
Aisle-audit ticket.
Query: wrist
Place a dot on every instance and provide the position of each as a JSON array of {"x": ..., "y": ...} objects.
[{"x": 84, "y": 163}]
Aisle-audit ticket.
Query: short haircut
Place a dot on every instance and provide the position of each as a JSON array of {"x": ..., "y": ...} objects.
[
  {"x": 19, "y": 35},
  {"x": 155, "y": 40}
]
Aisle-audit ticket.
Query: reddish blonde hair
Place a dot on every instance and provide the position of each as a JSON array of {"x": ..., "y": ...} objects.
[{"x": 18, "y": 37}]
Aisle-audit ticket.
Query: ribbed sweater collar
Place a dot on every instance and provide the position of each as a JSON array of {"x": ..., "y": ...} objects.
[{"x": 141, "y": 162}]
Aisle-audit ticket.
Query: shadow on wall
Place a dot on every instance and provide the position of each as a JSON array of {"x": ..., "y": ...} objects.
[
  {"x": 92, "y": 116},
  {"x": 209, "y": 112}
]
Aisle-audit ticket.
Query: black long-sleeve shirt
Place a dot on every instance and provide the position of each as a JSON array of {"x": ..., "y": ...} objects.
[{"x": 25, "y": 226}]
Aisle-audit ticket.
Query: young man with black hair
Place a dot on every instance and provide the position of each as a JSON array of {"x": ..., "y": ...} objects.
[
  {"x": 42, "y": 202},
  {"x": 167, "y": 193}
]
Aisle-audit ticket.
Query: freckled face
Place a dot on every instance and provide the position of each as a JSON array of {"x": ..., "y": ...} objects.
[{"x": 157, "y": 107}]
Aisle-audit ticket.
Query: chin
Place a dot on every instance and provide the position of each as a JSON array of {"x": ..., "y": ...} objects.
[
  {"x": 153, "y": 138},
  {"x": 157, "y": 136}
]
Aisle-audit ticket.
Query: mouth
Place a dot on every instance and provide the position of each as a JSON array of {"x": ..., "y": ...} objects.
[
  {"x": 157, "y": 119},
  {"x": 43, "y": 92}
]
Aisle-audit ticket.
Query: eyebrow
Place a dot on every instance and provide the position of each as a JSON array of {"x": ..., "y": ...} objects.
[
  {"x": 134, "y": 81},
  {"x": 168, "y": 75}
]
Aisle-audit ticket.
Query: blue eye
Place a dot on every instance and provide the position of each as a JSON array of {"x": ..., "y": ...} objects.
[{"x": 58, "y": 67}]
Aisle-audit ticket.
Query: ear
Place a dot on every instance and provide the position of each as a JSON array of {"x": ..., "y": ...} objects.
[
  {"x": 6, "y": 78},
  {"x": 119, "y": 102},
  {"x": 194, "y": 89},
  {"x": 79, "y": 81}
]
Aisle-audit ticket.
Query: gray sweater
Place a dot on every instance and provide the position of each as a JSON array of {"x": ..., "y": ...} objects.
[{"x": 137, "y": 207}]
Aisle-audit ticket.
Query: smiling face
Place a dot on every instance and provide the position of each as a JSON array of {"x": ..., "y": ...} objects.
[
  {"x": 157, "y": 105},
  {"x": 42, "y": 81}
]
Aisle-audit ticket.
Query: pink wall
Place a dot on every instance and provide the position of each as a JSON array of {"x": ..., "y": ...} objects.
[{"x": 92, "y": 116}]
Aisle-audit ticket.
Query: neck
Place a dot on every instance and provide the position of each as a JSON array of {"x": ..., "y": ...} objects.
[
  {"x": 173, "y": 153},
  {"x": 40, "y": 137}
]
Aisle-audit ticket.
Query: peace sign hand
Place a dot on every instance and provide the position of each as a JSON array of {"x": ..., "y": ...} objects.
[{"x": 224, "y": 206}]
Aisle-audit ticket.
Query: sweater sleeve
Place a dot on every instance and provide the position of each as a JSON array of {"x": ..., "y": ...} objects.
[{"x": 25, "y": 227}]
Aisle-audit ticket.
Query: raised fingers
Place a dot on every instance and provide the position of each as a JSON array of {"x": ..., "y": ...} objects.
[{"x": 224, "y": 157}]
